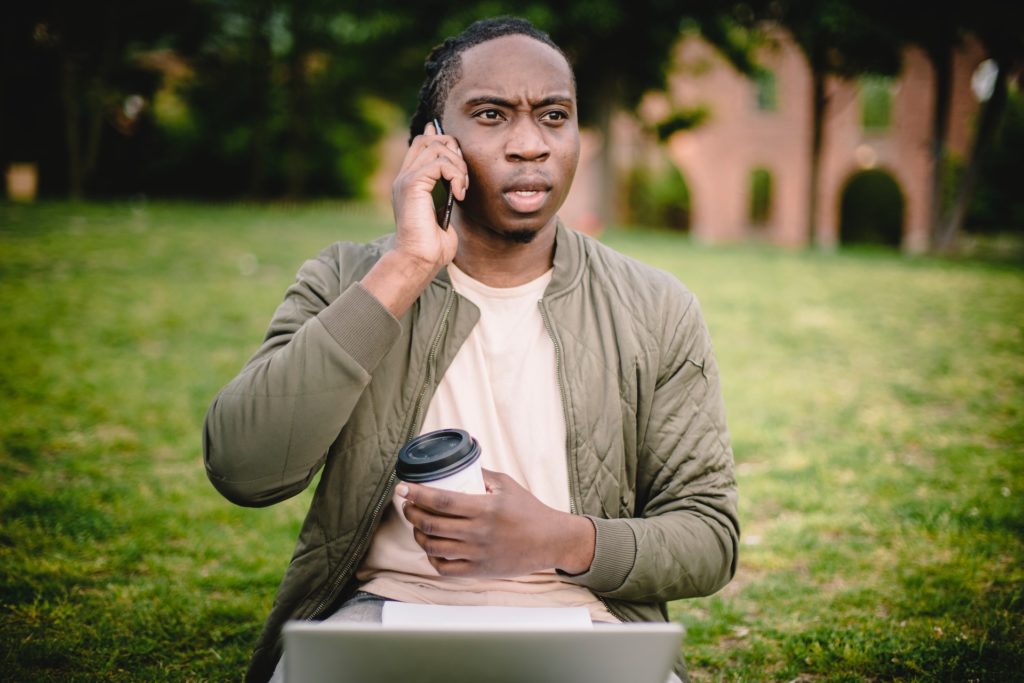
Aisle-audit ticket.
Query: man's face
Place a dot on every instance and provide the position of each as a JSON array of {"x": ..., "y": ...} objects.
[{"x": 513, "y": 112}]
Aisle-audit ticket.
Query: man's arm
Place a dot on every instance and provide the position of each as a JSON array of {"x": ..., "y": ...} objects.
[
  {"x": 268, "y": 431},
  {"x": 685, "y": 539}
]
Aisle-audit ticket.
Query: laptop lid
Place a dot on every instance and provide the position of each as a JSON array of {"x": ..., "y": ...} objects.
[{"x": 328, "y": 652}]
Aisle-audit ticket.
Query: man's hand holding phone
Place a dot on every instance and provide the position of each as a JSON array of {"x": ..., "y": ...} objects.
[
  {"x": 432, "y": 158},
  {"x": 422, "y": 247}
]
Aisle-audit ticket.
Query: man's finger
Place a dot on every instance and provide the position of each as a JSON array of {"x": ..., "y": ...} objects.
[
  {"x": 421, "y": 143},
  {"x": 441, "y": 526},
  {"x": 441, "y": 501},
  {"x": 449, "y": 166},
  {"x": 458, "y": 568},
  {"x": 442, "y": 547}
]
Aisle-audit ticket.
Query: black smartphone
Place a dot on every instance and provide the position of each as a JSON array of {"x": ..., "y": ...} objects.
[{"x": 443, "y": 197}]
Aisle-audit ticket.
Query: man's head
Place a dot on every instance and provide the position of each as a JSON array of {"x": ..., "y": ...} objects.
[
  {"x": 506, "y": 92},
  {"x": 444, "y": 63}
]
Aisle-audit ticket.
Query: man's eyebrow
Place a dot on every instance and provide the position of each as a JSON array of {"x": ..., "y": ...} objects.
[{"x": 508, "y": 104}]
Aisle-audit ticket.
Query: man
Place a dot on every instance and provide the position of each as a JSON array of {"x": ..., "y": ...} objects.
[{"x": 587, "y": 378}]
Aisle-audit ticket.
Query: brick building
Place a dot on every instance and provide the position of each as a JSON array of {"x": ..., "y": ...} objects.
[{"x": 748, "y": 165}]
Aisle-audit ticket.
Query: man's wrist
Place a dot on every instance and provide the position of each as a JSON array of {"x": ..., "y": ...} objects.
[
  {"x": 578, "y": 549},
  {"x": 397, "y": 280},
  {"x": 413, "y": 264}
]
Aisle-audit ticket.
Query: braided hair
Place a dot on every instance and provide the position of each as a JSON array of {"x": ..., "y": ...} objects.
[{"x": 444, "y": 63}]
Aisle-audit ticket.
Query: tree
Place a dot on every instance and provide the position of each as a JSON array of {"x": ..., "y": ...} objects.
[
  {"x": 279, "y": 105},
  {"x": 997, "y": 25},
  {"x": 938, "y": 38},
  {"x": 282, "y": 97},
  {"x": 939, "y": 29},
  {"x": 837, "y": 39},
  {"x": 82, "y": 55}
]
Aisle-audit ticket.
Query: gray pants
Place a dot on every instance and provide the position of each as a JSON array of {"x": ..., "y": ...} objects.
[{"x": 367, "y": 608}]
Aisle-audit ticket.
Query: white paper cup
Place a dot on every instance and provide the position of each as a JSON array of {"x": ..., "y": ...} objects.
[{"x": 446, "y": 459}]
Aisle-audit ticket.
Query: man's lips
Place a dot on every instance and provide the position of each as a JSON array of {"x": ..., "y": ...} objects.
[{"x": 527, "y": 196}]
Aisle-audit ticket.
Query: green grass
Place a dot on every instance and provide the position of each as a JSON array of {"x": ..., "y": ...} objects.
[{"x": 875, "y": 406}]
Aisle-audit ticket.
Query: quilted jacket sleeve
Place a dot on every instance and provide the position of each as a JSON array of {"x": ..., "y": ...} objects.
[
  {"x": 684, "y": 538},
  {"x": 268, "y": 431}
]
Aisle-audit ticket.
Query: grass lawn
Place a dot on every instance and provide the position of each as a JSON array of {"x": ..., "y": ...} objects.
[{"x": 875, "y": 404}]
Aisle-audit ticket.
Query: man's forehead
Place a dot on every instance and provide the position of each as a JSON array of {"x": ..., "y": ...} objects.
[{"x": 512, "y": 61}]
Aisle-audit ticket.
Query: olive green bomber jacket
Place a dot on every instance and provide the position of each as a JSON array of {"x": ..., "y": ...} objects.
[{"x": 339, "y": 384}]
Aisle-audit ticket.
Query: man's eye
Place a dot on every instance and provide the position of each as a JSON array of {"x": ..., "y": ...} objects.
[
  {"x": 490, "y": 114},
  {"x": 556, "y": 115}
]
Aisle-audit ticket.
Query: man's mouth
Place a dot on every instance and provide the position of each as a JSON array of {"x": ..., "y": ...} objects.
[{"x": 527, "y": 197}]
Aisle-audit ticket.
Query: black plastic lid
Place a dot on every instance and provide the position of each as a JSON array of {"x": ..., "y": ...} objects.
[{"x": 436, "y": 455}]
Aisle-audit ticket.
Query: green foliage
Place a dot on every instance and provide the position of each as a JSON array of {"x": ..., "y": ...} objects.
[
  {"x": 839, "y": 36},
  {"x": 681, "y": 119},
  {"x": 658, "y": 197},
  {"x": 767, "y": 92},
  {"x": 875, "y": 102},
  {"x": 873, "y": 401},
  {"x": 760, "y": 196},
  {"x": 998, "y": 203},
  {"x": 261, "y": 98}
]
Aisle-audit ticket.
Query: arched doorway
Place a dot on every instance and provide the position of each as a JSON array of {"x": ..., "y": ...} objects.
[
  {"x": 871, "y": 210},
  {"x": 659, "y": 196}
]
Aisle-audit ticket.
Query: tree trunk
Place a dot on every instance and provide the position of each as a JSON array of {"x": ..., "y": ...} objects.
[
  {"x": 95, "y": 98},
  {"x": 296, "y": 161},
  {"x": 69, "y": 96},
  {"x": 84, "y": 153},
  {"x": 297, "y": 93},
  {"x": 818, "y": 106},
  {"x": 942, "y": 62},
  {"x": 991, "y": 113},
  {"x": 259, "y": 74}
]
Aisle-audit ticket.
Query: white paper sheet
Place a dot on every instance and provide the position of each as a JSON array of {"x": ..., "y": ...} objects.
[{"x": 410, "y": 615}]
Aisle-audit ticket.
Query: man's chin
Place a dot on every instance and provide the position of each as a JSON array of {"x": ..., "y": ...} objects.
[
  {"x": 515, "y": 234},
  {"x": 518, "y": 236},
  {"x": 512, "y": 229}
]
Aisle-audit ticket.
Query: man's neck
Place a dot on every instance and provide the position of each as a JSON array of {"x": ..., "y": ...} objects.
[{"x": 498, "y": 262}]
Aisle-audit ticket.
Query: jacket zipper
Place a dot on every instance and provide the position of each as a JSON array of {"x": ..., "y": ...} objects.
[
  {"x": 565, "y": 403},
  {"x": 573, "y": 491},
  {"x": 346, "y": 571},
  {"x": 431, "y": 362}
]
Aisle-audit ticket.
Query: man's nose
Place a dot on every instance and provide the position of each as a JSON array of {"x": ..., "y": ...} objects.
[{"x": 526, "y": 141}]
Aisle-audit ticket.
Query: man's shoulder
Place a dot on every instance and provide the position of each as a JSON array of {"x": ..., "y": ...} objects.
[
  {"x": 635, "y": 282},
  {"x": 349, "y": 260},
  {"x": 342, "y": 251}
]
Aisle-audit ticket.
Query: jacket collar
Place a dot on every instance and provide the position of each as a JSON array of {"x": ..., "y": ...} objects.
[
  {"x": 570, "y": 257},
  {"x": 569, "y": 260}
]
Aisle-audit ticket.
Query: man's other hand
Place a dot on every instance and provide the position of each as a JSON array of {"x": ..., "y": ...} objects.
[{"x": 504, "y": 533}]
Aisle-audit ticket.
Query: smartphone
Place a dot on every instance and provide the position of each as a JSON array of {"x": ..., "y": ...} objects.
[{"x": 444, "y": 200}]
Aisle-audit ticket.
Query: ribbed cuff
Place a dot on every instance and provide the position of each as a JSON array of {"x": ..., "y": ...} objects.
[
  {"x": 361, "y": 325},
  {"x": 614, "y": 556}
]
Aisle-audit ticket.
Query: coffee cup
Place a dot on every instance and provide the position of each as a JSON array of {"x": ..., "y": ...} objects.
[{"x": 446, "y": 459}]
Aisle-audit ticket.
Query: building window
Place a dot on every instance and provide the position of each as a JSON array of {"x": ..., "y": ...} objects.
[
  {"x": 876, "y": 102},
  {"x": 764, "y": 85},
  {"x": 760, "y": 196}
]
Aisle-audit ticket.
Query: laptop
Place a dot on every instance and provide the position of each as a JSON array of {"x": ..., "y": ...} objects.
[{"x": 329, "y": 652}]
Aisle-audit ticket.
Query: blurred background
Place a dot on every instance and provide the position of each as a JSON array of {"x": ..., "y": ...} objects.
[
  {"x": 794, "y": 122},
  {"x": 838, "y": 181}
]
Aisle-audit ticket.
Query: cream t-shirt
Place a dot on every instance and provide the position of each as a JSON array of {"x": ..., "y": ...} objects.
[{"x": 502, "y": 388}]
